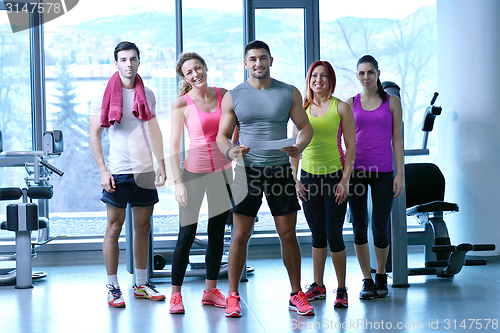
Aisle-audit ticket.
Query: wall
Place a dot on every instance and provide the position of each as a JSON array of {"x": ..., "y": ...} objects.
[{"x": 469, "y": 129}]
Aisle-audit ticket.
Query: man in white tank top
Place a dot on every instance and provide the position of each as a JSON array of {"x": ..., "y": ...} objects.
[
  {"x": 127, "y": 176},
  {"x": 262, "y": 107}
]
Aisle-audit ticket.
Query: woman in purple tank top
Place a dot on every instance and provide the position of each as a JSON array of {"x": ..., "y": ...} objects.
[
  {"x": 378, "y": 119},
  {"x": 206, "y": 170}
]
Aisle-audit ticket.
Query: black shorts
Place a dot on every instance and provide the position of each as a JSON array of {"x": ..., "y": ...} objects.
[
  {"x": 136, "y": 189},
  {"x": 276, "y": 182}
]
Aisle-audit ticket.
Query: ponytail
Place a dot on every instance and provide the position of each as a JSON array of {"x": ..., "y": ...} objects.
[
  {"x": 184, "y": 88},
  {"x": 381, "y": 91}
]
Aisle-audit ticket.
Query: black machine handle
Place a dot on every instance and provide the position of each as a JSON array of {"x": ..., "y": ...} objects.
[
  {"x": 484, "y": 247},
  {"x": 51, "y": 168},
  {"x": 436, "y": 94}
]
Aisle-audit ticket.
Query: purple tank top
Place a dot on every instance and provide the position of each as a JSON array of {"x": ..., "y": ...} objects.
[{"x": 373, "y": 137}]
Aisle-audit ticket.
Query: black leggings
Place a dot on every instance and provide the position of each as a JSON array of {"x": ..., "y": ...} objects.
[
  {"x": 215, "y": 185},
  {"x": 324, "y": 216},
  {"x": 382, "y": 195}
]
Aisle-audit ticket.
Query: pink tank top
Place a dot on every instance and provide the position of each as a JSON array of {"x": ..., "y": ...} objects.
[
  {"x": 203, "y": 154},
  {"x": 373, "y": 137}
]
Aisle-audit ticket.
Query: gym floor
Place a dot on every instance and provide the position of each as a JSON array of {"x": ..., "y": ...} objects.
[{"x": 72, "y": 298}]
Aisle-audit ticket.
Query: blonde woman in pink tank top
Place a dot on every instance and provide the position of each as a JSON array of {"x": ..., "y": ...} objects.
[{"x": 206, "y": 170}]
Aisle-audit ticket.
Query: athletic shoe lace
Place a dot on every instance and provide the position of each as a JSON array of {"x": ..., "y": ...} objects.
[
  {"x": 217, "y": 293},
  {"x": 300, "y": 299},
  {"x": 232, "y": 300},
  {"x": 310, "y": 287},
  {"x": 176, "y": 299},
  {"x": 150, "y": 286},
  {"x": 114, "y": 291},
  {"x": 341, "y": 293}
]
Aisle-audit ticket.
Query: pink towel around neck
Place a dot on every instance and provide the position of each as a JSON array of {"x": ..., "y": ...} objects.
[{"x": 112, "y": 101}]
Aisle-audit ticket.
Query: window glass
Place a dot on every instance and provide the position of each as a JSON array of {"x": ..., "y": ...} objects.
[
  {"x": 79, "y": 61},
  {"x": 214, "y": 30},
  {"x": 283, "y": 30},
  {"x": 15, "y": 104},
  {"x": 401, "y": 36}
]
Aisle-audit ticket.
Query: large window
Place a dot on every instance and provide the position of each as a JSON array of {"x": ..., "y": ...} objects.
[
  {"x": 15, "y": 103},
  {"x": 79, "y": 61},
  {"x": 401, "y": 36}
]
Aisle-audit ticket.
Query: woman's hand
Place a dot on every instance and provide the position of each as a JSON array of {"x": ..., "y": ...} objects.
[
  {"x": 301, "y": 190},
  {"x": 398, "y": 185},
  {"x": 342, "y": 191},
  {"x": 181, "y": 194}
]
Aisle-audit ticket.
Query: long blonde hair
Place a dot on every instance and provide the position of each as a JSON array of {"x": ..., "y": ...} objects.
[{"x": 184, "y": 86}]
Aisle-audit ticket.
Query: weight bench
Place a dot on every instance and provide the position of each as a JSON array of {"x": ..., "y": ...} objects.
[{"x": 425, "y": 187}]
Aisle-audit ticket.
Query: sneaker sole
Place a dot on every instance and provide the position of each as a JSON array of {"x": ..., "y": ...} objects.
[
  {"x": 340, "y": 306},
  {"x": 119, "y": 305},
  {"x": 161, "y": 298},
  {"x": 366, "y": 297},
  {"x": 177, "y": 312},
  {"x": 234, "y": 314},
  {"x": 214, "y": 304},
  {"x": 381, "y": 296},
  {"x": 307, "y": 313},
  {"x": 323, "y": 296}
]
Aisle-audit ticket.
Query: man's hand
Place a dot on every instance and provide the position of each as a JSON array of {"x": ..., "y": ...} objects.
[
  {"x": 108, "y": 182},
  {"x": 161, "y": 176},
  {"x": 292, "y": 151}
]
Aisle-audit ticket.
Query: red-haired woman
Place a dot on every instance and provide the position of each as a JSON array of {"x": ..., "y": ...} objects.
[{"x": 324, "y": 178}]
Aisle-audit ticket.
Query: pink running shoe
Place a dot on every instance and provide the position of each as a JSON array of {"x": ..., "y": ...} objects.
[
  {"x": 214, "y": 297},
  {"x": 176, "y": 306},
  {"x": 233, "y": 307},
  {"x": 341, "y": 299},
  {"x": 300, "y": 304},
  {"x": 314, "y": 292}
]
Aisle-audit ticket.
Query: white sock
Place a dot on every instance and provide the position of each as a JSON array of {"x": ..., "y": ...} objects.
[
  {"x": 113, "y": 280},
  {"x": 140, "y": 276}
]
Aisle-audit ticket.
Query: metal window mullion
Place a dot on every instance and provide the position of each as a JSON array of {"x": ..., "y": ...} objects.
[{"x": 37, "y": 77}]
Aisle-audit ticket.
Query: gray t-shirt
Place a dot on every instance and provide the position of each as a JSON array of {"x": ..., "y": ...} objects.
[{"x": 263, "y": 116}]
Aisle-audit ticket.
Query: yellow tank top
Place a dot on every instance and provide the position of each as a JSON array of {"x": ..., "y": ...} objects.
[{"x": 324, "y": 154}]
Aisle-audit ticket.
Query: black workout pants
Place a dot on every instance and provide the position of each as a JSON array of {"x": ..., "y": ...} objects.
[
  {"x": 380, "y": 184},
  {"x": 324, "y": 216},
  {"x": 215, "y": 185}
]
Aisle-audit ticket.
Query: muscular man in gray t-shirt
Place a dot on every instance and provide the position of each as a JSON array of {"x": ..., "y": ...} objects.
[{"x": 261, "y": 107}]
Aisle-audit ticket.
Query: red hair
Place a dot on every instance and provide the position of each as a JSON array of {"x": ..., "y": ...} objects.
[{"x": 332, "y": 80}]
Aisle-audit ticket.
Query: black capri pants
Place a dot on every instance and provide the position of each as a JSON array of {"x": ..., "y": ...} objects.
[
  {"x": 217, "y": 187},
  {"x": 381, "y": 192},
  {"x": 324, "y": 216}
]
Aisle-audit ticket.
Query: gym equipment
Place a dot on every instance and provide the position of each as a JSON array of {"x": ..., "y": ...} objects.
[
  {"x": 423, "y": 198},
  {"x": 425, "y": 187},
  {"x": 24, "y": 218}
]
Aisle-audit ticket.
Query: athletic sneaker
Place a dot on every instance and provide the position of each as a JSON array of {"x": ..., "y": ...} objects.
[
  {"x": 300, "y": 304},
  {"x": 313, "y": 292},
  {"x": 115, "y": 297},
  {"x": 214, "y": 297},
  {"x": 341, "y": 299},
  {"x": 176, "y": 306},
  {"x": 147, "y": 290},
  {"x": 367, "y": 291},
  {"x": 380, "y": 289},
  {"x": 233, "y": 305}
]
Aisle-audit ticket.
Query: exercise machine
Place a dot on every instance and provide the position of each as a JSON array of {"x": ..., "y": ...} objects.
[
  {"x": 23, "y": 218},
  {"x": 423, "y": 198}
]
